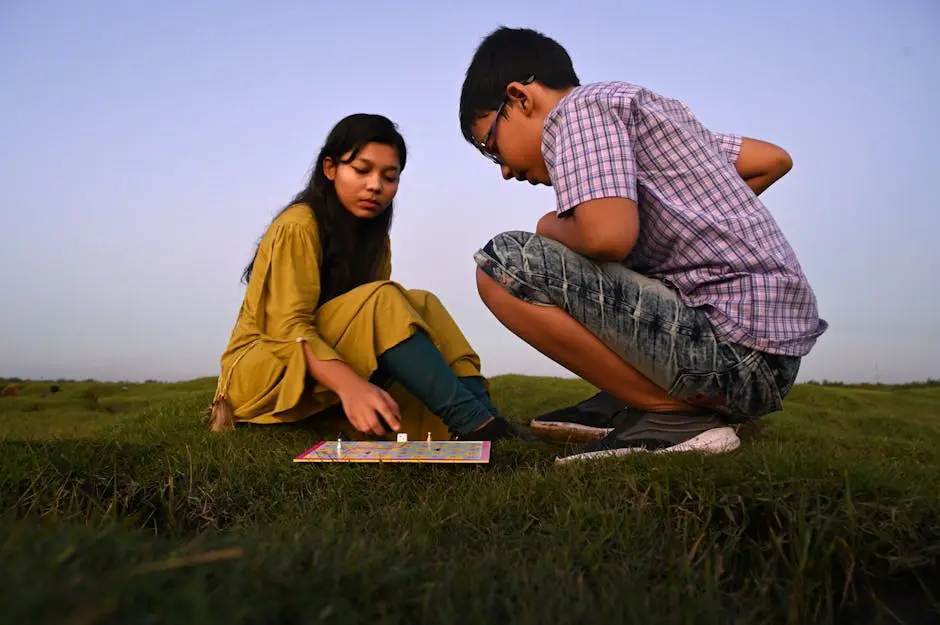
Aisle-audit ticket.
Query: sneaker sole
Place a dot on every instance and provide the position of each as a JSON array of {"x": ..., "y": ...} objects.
[
  {"x": 715, "y": 441},
  {"x": 568, "y": 432}
]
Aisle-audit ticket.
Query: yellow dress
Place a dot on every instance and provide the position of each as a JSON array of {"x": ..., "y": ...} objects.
[{"x": 264, "y": 373}]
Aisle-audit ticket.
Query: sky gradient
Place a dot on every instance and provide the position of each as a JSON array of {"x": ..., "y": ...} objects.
[{"x": 145, "y": 147}]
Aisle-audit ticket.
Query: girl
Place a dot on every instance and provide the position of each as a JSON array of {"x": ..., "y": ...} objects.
[{"x": 322, "y": 323}]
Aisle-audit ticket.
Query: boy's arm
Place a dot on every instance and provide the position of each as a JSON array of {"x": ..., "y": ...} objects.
[
  {"x": 603, "y": 229},
  {"x": 759, "y": 163},
  {"x": 594, "y": 179}
]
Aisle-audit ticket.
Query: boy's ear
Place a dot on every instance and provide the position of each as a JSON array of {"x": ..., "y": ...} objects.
[
  {"x": 329, "y": 168},
  {"x": 520, "y": 97}
]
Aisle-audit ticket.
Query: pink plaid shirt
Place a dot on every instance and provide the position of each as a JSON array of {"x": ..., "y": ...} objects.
[{"x": 702, "y": 229}]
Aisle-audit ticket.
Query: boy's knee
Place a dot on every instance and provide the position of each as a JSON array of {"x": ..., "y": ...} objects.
[
  {"x": 508, "y": 249},
  {"x": 486, "y": 284},
  {"x": 495, "y": 289},
  {"x": 516, "y": 262}
]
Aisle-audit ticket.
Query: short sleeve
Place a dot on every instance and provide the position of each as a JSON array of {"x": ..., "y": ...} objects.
[
  {"x": 730, "y": 145},
  {"x": 589, "y": 153},
  {"x": 293, "y": 293}
]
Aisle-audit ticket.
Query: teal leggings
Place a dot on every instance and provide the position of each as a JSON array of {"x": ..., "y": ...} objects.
[{"x": 462, "y": 403}]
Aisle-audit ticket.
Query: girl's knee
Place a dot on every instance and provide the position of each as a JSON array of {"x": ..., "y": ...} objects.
[
  {"x": 429, "y": 306},
  {"x": 389, "y": 291},
  {"x": 421, "y": 295},
  {"x": 418, "y": 301},
  {"x": 387, "y": 295}
]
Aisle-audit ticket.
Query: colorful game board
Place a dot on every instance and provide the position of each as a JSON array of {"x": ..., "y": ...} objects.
[{"x": 448, "y": 452}]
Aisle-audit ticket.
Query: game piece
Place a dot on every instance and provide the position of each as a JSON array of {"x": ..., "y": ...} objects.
[
  {"x": 402, "y": 438},
  {"x": 441, "y": 452},
  {"x": 429, "y": 438},
  {"x": 339, "y": 446}
]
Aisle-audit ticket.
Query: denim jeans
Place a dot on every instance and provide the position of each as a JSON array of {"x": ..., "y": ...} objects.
[{"x": 645, "y": 323}]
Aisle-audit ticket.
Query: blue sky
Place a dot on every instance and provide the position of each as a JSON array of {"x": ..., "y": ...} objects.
[{"x": 145, "y": 147}]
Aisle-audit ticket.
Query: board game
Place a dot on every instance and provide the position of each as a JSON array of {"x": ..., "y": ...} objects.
[{"x": 447, "y": 452}]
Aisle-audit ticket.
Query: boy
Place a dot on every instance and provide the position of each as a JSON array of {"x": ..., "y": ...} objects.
[{"x": 660, "y": 277}]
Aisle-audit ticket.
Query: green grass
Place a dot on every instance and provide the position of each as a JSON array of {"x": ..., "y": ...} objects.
[{"x": 119, "y": 507}]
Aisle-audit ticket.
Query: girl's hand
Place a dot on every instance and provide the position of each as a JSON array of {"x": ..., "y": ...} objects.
[
  {"x": 366, "y": 405},
  {"x": 362, "y": 401}
]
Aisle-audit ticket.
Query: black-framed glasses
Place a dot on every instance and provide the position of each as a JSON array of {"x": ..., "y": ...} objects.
[{"x": 492, "y": 129}]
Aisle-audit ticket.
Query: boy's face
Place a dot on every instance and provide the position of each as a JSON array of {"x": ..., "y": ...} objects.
[{"x": 512, "y": 135}]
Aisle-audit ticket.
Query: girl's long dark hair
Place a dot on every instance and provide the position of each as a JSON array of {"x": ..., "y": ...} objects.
[{"x": 352, "y": 247}]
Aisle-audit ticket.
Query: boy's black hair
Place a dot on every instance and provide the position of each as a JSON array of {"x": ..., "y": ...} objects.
[{"x": 507, "y": 55}]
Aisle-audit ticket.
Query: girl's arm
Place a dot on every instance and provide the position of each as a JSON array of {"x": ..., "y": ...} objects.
[
  {"x": 361, "y": 399},
  {"x": 294, "y": 292}
]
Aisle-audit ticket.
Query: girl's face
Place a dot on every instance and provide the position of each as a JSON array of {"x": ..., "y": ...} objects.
[{"x": 367, "y": 184}]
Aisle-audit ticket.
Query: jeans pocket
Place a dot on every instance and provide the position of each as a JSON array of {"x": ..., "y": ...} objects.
[{"x": 742, "y": 392}]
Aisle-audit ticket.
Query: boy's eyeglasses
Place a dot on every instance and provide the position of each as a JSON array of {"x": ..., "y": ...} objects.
[{"x": 489, "y": 133}]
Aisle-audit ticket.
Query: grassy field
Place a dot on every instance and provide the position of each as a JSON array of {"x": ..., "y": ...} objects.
[{"x": 119, "y": 507}]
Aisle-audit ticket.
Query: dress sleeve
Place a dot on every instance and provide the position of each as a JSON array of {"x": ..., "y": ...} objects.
[{"x": 293, "y": 292}]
